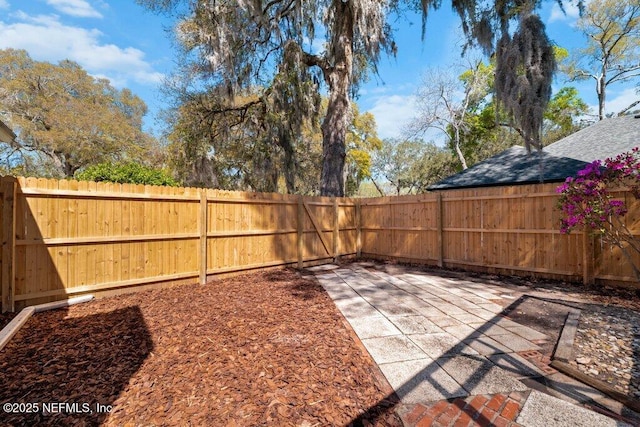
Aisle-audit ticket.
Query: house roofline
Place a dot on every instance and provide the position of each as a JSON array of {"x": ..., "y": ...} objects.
[{"x": 503, "y": 184}]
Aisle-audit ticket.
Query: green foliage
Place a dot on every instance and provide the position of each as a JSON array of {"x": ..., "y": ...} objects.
[
  {"x": 445, "y": 101},
  {"x": 217, "y": 143},
  {"x": 66, "y": 119},
  {"x": 564, "y": 107},
  {"x": 238, "y": 46},
  {"x": 611, "y": 54},
  {"x": 248, "y": 145},
  {"x": 485, "y": 132},
  {"x": 412, "y": 166},
  {"x": 126, "y": 173},
  {"x": 362, "y": 141}
]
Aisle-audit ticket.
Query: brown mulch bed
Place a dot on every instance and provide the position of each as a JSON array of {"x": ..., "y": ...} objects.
[
  {"x": 5, "y": 318},
  {"x": 268, "y": 348}
]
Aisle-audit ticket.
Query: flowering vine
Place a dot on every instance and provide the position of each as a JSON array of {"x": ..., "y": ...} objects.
[{"x": 586, "y": 201}]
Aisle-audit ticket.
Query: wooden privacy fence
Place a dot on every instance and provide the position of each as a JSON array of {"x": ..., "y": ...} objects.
[
  {"x": 62, "y": 238},
  {"x": 497, "y": 229}
]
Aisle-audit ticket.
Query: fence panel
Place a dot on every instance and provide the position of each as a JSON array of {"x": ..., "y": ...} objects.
[
  {"x": 401, "y": 227},
  {"x": 610, "y": 262},
  {"x": 498, "y": 229},
  {"x": 77, "y": 237},
  {"x": 513, "y": 228},
  {"x": 66, "y": 237}
]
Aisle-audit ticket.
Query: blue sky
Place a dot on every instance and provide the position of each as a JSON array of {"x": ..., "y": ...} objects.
[{"x": 130, "y": 46}]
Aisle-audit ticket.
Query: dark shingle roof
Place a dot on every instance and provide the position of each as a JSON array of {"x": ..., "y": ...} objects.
[
  {"x": 604, "y": 139},
  {"x": 513, "y": 166},
  {"x": 561, "y": 159}
]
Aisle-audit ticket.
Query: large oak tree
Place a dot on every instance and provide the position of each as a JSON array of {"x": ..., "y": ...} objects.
[
  {"x": 66, "y": 117},
  {"x": 243, "y": 44}
]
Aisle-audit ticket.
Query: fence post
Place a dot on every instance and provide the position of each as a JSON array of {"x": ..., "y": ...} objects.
[
  {"x": 588, "y": 258},
  {"x": 336, "y": 229},
  {"x": 300, "y": 232},
  {"x": 358, "y": 228},
  {"x": 9, "y": 193},
  {"x": 439, "y": 221},
  {"x": 203, "y": 236}
]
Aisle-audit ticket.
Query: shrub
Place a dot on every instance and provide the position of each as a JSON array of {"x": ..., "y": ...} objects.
[
  {"x": 126, "y": 173},
  {"x": 586, "y": 201}
]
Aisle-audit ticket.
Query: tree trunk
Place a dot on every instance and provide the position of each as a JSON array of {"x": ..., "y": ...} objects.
[
  {"x": 600, "y": 90},
  {"x": 334, "y": 126},
  {"x": 459, "y": 151},
  {"x": 377, "y": 187},
  {"x": 290, "y": 164}
]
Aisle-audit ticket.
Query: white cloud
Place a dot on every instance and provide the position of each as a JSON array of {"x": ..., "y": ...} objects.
[
  {"x": 78, "y": 8},
  {"x": 571, "y": 12},
  {"x": 46, "y": 38},
  {"x": 618, "y": 101},
  {"x": 4, "y": 4},
  {"x": 393, "y": 113}
]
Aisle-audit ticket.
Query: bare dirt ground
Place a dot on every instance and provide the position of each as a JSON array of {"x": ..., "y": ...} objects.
[{"x": 267, "y": 348}]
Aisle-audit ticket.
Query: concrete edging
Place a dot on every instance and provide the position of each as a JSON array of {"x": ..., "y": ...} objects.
[{"x": 564, "y": 348}]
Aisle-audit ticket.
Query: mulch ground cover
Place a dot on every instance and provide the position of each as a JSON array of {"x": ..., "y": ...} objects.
[
  {"x": 268, "y": 348},
  {"x": 5, "y": 318}
]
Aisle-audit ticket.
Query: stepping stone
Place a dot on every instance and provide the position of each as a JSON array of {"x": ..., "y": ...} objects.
[
  {"x": 395, "y": 348},
  {"x": 480, "y": 376},
  {"x": 443, "y": 320},
  {"x": 415, "y": 325},
  {"x": 420, "y": 381},
  {"x": 431, "y": 312},
  {"x": 394, "y": 309},
  {"x": 542, "y": 410},
  {"x": 506, "y": 323},
  {"x": 494, "y": 308},
  {"x": 527, "y": 333},
  {"x": 467, "y": 318},
  {"x": 516, "y": 365},
  {"x": 462, "y": 332},
  {"x": 486, "y": 345},
  {"x": 491, "y": 329},
  {"x": 450, "y": 309},
  {"x": 343, "y": 294},
  {"x": 373, "y": 326},
  {"x": 485, "y": 315},
  {"x": 441, "y": 344},
  {"x": 515, "y": 342},
  {"x": 355, "y": 309}
]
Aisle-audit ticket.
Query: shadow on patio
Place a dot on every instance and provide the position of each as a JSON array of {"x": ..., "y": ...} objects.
[{"x": 467, "y": 357}]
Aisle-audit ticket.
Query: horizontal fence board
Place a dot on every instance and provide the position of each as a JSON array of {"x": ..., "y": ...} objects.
[
  {"x": 72, "y": 237},
  {"x": 514, "y": 228}
]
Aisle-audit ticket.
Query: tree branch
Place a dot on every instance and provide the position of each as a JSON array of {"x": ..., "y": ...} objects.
[
  {"x": 617, "y": 77},
  {"x": 311, "y": 60}
]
